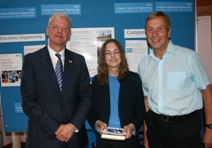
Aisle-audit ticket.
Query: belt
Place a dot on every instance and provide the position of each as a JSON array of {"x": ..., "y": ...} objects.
[{"x": 174, "y": 118}]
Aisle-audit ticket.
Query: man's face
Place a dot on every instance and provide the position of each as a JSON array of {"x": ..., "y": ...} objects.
[
  {"x": 59, "y": 31},
  {"x": 158, "y": 33}
]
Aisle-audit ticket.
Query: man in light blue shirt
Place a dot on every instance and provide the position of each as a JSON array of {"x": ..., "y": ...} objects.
[{"x": 174, "y": 83}]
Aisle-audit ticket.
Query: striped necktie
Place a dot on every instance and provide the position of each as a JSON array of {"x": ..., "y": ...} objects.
[{"x": 59, "y": 71}]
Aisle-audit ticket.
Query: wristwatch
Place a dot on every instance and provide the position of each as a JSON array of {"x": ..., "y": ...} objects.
[{"x": 209, "y": 126}]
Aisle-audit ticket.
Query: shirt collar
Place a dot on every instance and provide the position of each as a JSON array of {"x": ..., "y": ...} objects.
[
  {"x": 170, "y": 49},
  {"x": 52, "y": 52}
]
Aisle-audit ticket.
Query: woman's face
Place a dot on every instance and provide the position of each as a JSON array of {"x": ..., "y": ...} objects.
[{"x": 112, "y": 56}]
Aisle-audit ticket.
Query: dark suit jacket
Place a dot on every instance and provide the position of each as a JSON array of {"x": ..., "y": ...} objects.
[
  {"x": 130, "y": 106},
  {"x": 47, "y": 107}
]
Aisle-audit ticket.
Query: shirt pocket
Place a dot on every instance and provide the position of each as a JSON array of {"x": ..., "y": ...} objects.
[{"x": 175, "y": 80}]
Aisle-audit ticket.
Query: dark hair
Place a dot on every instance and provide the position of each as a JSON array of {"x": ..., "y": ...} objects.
[
  {"x": 103, "y": 68},
  {"x": 159, "y": 14}
]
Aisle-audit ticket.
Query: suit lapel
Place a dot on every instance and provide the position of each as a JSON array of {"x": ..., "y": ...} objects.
[
  {"x": 104, "y": 92},
  {"x": 68, "y": 66},
  {"x": 122, "y": 94},
  {"x": 46, "y": 61}
]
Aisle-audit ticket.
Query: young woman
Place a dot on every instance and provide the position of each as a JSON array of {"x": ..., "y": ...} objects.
[{"x": 117, "y": 98}]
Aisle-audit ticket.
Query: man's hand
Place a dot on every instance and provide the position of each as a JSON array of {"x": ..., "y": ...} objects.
[
  {"x": 145, "y": 140},
  {"x": 207, "y": 138},
  {"x": 65, "y": 132}
]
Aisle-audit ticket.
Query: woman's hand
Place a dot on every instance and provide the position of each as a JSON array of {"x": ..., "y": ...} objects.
[
  {"x": 128, "y": 129},
  {"x": 101, "y": 126}
]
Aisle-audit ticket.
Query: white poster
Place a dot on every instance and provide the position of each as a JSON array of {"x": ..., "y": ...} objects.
[
  {"x": 135, "y": 51},
  {"x": 33, "y": 48},
  {"x": 88, "y": 42},
  {"x": 22, "y": 38},
  {"x": 10, "y": 66}
]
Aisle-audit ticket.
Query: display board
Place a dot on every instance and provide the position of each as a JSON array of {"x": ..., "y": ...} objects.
[{"x": 23, "y": 25}]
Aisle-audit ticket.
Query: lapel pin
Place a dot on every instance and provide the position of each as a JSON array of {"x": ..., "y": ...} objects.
[{"x": 69, "y": 61}]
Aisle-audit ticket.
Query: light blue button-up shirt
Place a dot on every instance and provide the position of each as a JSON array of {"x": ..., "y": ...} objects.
[{"x": 172, "y": 83}]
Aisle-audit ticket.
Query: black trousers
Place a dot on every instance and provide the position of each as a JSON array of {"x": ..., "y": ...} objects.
[
  {"x": 115, "y": 144},
  {"x": 178, "y": 133}
]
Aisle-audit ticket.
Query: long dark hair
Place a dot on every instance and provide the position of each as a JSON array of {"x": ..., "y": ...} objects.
[{"x": 103, "y": 68}]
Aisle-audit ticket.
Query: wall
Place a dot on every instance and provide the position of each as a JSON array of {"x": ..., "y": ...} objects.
[{"x": 204, "y": 42}]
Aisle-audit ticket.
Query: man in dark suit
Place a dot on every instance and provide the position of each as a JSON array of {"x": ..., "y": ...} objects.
[{"x": 56, "y": 115}]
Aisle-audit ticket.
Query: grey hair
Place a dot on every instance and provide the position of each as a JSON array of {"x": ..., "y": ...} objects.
[
  {"x": 159, "y": 14},
  {"x": 60, "y": 14}
]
